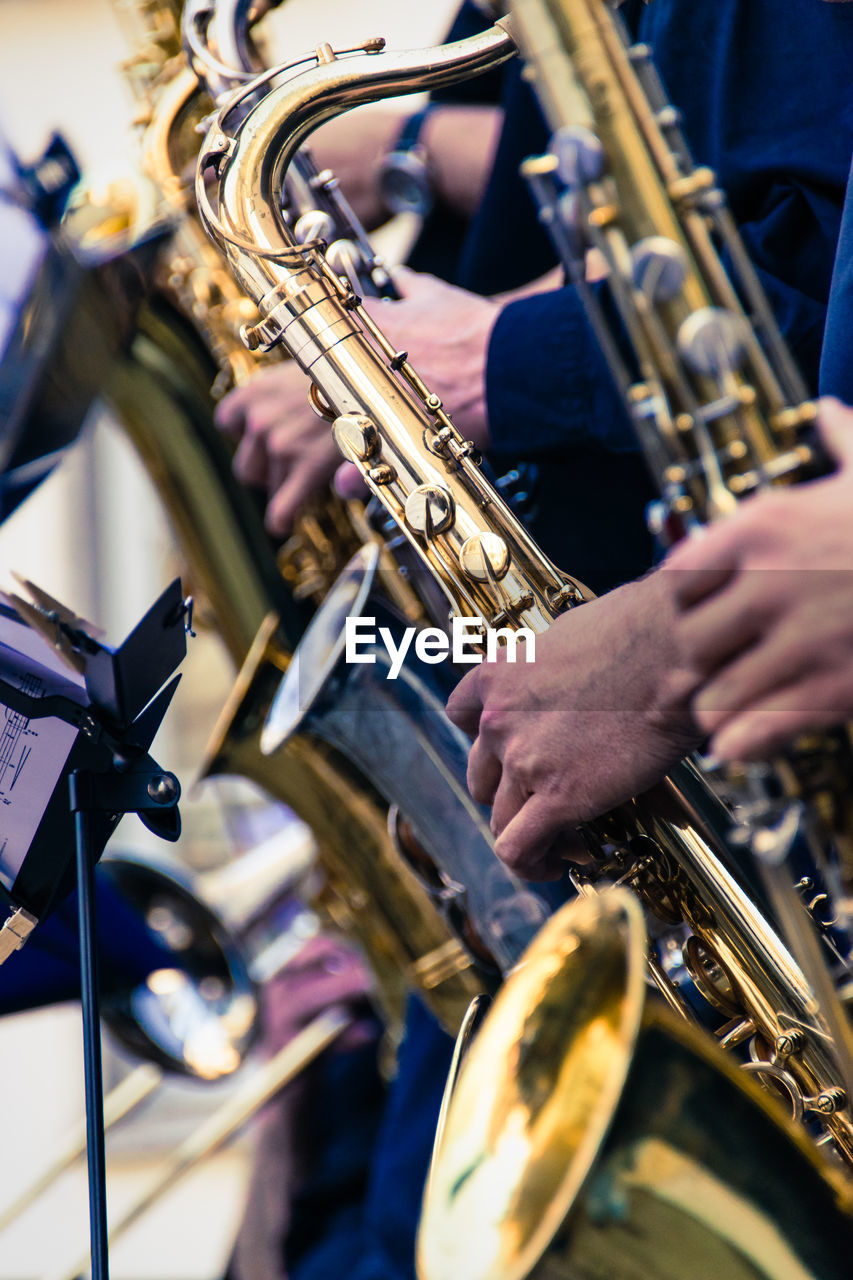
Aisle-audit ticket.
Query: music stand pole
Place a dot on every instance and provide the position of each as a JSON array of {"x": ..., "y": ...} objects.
[
  {"x": 93, "y": 1070},
  {"x": 110, "y": 773},
  {"x": 115, "y": 793}
]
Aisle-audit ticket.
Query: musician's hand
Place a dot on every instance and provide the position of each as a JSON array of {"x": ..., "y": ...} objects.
[
  {"x": 327, "y": 973},
  {"x": 765, "y": 610},
  {"x": 284, "y": 447},
  {"x": 566, "y": 738},
  {"x": 446, "y": 332}
]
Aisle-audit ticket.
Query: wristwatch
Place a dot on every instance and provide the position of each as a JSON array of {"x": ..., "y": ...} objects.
[{"x": 405, "y": 181}]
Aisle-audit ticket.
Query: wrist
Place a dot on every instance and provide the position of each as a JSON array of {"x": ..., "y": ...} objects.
[{"x": 668, "y": 686}]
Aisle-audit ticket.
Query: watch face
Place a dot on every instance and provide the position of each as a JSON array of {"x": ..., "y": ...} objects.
[{"x": 404, "y": 184}]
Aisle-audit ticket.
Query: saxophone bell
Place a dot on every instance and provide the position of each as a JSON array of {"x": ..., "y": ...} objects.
[
  {"x": 592, "y": 1132},
  {"x": 394, "y": 729}
]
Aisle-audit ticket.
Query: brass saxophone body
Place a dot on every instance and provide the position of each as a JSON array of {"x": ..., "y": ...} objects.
[
  {"x": 593, "y": 1133},
  {"x": 717, "y": 401},
  {"x": 327, "y": 531},
  {"x": 396, "y": 431},
  {"x": 423, "y": 772},
  {"x": 718, "y": 404},
  {"x": 161, "y": 391}
]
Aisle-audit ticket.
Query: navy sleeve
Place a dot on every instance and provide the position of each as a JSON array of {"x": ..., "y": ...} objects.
[
  {"x": 547, "y": 382},
  {"x": 549, "y": 386},
  {"x": 836, "y": 368}
]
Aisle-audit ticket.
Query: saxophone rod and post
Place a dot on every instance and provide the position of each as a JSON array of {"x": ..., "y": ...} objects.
[{"x": 640, "y": 200}]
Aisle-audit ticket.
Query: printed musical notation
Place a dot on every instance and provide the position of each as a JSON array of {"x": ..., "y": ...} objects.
[
  {"x": 15, "y": 747},
  {"x": 33, "y": 752}
]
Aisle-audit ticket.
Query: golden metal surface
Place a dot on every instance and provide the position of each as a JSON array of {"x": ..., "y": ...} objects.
[
  {"x": 594, "y": 1134},
  {"x": 718, "y": 409},
  {"x": 369, "y": 386},
  {"x": 671, "y": 849},
  {"x": 536, "y": 1094},
  {"x": 162, "y": 393}
]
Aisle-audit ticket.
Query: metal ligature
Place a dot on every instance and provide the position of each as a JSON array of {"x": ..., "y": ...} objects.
[
  {"x": 718, "y": 404},
  {"x": 671, "y": 848}
]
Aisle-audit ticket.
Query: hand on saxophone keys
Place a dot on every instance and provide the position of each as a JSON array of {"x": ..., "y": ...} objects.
[
  {"x": 764, "y": 610},
  {"x": 286, "y": 449},
  {"x": 578, "y": 732},
  {"x": 447, "y": 330}
]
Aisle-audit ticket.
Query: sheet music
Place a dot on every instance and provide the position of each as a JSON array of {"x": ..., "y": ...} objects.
[{"x": 33, "y": 753}]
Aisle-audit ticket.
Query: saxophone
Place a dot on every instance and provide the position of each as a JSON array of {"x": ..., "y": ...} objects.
[
  {"x": 327, "y": 531},
  {"x": 161, "y": 392},
  {"x": 593, "y": 1134},
  {"x": 719, "y": 407},
  {"x": 396, "y": 431},
  {"x": 717, "y": 401},
  {"x": 487, "y": 909}
]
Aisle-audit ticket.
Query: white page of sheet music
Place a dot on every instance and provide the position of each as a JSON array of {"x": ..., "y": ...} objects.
[{"x": 33, "y": 753}]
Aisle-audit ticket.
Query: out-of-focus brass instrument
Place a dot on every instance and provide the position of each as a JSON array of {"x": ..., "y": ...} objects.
[
  {"x": 592, "y": 1133},
  {"x": 671, "y": 849},
  {"x": 717, "y": 401},
  {"x": 173, "y": 101},
  {"x": 196, "y": 1014},
  {"x": 162, "y": 396},
  {"x": 253, "y": 1094},
  {"x": 396, "y": 735}
]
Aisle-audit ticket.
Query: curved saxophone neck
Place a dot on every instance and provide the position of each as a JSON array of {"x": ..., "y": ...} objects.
[
  {"x": 217, "y": 42},
  {"x": 231, "y": 37},
  {"x": 253, "y": 163}
]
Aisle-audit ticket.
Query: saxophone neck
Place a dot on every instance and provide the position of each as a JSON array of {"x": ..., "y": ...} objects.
[
  {"x": 252, "y": 164},
  {"x": 217, "y": 42}
]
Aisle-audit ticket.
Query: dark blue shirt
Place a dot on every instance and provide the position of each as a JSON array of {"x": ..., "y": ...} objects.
[
  {"x": 47, "y": 969},
  {"x": 836, "y": 365},
  {"x": 375, "y": 1241}
]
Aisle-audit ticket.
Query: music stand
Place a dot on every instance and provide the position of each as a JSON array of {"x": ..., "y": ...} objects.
[{"x": 113, "y": 711}]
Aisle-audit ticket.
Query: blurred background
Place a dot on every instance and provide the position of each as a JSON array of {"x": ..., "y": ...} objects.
[{"x": 94, "y": 534}]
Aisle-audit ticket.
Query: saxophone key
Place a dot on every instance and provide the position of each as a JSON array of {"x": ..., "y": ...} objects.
[
  {"x": 484, "y": 557},
  {"x": 659, "y": 268},
  {"x": 356, "y": 436},
  {"x": 430, "y": 509}
]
